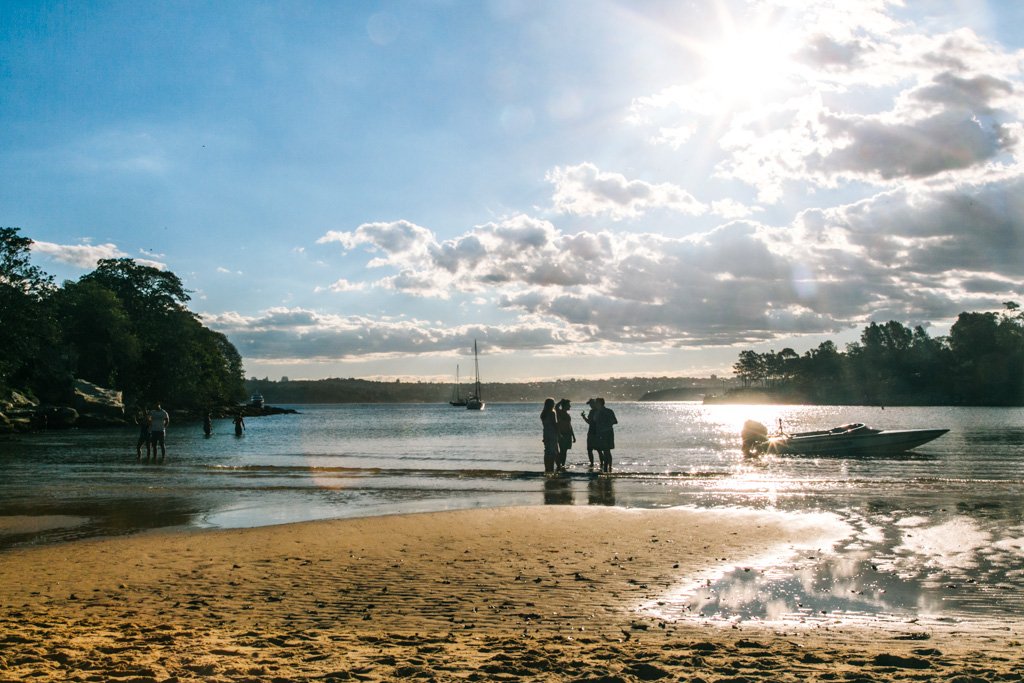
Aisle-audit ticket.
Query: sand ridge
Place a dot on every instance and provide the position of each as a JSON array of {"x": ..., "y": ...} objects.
[{"x": 540, "y": 593}]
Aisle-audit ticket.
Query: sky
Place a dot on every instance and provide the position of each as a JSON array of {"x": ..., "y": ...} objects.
[{"x": 588, "y": 188}]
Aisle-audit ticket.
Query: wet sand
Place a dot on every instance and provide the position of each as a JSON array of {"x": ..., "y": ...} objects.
[{"x": 537, "y": 593}]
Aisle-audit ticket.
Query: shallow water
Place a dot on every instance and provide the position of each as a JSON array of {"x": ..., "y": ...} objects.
[{"x": 937, "y": 533}]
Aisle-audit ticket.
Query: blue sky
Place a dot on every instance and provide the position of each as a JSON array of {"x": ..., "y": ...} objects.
[{"x": 587, "y": 188}]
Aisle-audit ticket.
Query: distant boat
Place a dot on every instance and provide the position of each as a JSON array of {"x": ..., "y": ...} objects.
[
  {"x": 256, "y": 400},
  {"x": 850, "y": 439},
  {"x": 475, "y": 400},
  {"x": 457, "y": 399}
]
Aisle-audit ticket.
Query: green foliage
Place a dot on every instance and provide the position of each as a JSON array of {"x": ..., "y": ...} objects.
[
  {"x": 123, "y": 326},
  {"x": 24, "y": 322},
  {"x": 980, "y": 363},
  {"x": 98, "y": 334},
  {"x": 144, "y": 291}
]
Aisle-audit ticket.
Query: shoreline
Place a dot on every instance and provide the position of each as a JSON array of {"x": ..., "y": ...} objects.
[{"x": 534, "y": 593}]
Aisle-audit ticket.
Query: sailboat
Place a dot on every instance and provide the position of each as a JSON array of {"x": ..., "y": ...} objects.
[
  {"x": 475, "y": 401},
  {"x": 457, "y": 400}
]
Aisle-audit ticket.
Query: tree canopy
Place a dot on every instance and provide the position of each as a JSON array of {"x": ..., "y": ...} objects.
[
  {"x": 980, "y": 362},
  {"x": 123, "y": 326}
]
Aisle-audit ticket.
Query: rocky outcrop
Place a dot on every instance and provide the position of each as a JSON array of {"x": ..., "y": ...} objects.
[
  {"x": 92, "y": 406},
  {"x": 18, "y": 413},
  {"x": 97, "y": 406}
]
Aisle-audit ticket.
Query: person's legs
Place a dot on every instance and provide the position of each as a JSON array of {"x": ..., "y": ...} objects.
[
  {"x": 549, "y": 458},
  {"x": 157, "y": 440}
]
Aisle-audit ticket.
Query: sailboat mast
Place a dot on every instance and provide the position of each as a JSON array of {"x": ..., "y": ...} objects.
[{"x": 476, "y": 368}]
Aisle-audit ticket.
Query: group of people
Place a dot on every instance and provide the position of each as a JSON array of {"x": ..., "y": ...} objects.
[
  {"x": 559, "y": 436},
  {"x": 152, "y": 432},
  {"x": 208, "y": 424}
]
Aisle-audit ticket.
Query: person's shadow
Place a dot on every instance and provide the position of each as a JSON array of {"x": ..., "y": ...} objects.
[
  {"x": 601, "y": 490},
  {"x": 558, "y": 491}
]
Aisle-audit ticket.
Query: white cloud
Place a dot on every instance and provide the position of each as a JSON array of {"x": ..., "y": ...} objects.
[
  {"x": 284, "y": 334},
  {"x": 732, "y": 209},
  {"x": 343, "y": 285},
  {"x": 80, "y": 255},
  {"x": 585, "y": 190},
  {"x": 869, "y": 100},
  {"x": 911, "y": 255}
]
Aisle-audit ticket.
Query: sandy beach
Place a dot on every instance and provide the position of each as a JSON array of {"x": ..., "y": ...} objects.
[{"x": 530, "y": 593}]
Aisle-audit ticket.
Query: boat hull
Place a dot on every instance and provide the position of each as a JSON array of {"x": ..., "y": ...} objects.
[{"x": 866, "y": 442}]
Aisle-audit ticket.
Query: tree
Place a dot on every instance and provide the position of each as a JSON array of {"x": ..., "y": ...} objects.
[
  {"x": 24, "y": 323},
  {"x": 144, "y": 291},
  {"x": 96, "y": 330},
  {"x": 193, "y": 366},
  {"x": 149, "y": 344},
  {"x": 981, "y": 362},
  {"x": 749, "y": 368}
]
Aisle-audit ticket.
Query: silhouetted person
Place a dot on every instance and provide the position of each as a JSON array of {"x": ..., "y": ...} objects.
[
  {"x": 566, "y": 436},
  {"x": 549, "y": 426},
  {"x": 142, "y": 419},
  {"x": 158, "y": 421},
  {"x": 207, "y": 424},
  {"x": 604, "y": 433},
  {"x": 589, "y": 419},
  {"x": 239, "y": 424}
]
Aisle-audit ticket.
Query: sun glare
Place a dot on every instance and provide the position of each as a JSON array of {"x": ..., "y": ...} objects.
[{"x": 746, "y": 67}]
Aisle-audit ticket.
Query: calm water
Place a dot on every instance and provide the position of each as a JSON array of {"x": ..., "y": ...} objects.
[{"x": 937, "y": 533}]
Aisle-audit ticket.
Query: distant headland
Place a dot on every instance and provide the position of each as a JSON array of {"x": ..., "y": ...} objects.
[{"x": 353, "y": 390}]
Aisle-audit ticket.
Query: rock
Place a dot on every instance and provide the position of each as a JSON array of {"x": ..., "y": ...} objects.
[
  {"x": 17, "y": 401},
  {"x": 97, "y": 402}
]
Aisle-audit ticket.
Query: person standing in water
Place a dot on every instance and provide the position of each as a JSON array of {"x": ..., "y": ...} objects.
[
  {"x": 142, "y": 419},
  {"x": 158, "y": 421},
  {"x": 549, "y": 435},
  {"x": 207, "y": 424},
  {"x": 589, "y": 419},
  {"x": 566, "y": 436},
  {"x": 239, "y": 424},
  {"x": 604, "y": 422}
]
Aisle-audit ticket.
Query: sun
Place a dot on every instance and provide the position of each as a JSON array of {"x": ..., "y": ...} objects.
[{"x": 747, "y": 67}]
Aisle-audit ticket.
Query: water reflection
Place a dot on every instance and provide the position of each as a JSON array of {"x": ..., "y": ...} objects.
[
  {"x": 558, "y": 490},
  {"x": 933, "y": 564},
  {"x": 110, "y": 517},
  {"x": 601, "y": 490}
]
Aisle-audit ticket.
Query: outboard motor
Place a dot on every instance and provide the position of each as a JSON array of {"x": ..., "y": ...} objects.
[{"x": 754, "y": 435}]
